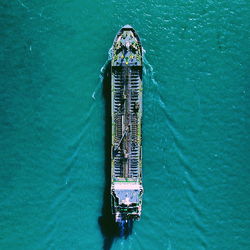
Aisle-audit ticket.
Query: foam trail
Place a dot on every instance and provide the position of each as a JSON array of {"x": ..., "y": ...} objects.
[
  {"x": 102, "y": 71},
  {"x": 110, "y": 53},
  {"x": 169, "y": 245},
  {"x": 151, "y": 69},
  {"x": 22, "y": 4},
  {"x": 122, "y": 228}
]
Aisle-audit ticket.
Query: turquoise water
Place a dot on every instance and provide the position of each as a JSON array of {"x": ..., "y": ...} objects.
[{"x": 54, "y": 125}]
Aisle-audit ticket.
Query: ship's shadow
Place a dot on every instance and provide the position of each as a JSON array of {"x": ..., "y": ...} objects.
[{"x": 109, "y": 228}]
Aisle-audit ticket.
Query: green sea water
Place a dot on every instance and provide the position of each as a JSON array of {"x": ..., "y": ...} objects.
[{"x": 54, "y": 124}]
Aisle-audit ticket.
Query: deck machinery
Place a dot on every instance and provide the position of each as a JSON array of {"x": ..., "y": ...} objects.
[{"x": 126, "y": 105}]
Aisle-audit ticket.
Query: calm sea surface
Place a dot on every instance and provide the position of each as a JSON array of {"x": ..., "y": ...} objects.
[{"x": 53, "y": 124}]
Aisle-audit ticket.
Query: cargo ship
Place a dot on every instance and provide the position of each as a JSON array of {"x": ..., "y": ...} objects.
[{"x": 126, "y": 115}]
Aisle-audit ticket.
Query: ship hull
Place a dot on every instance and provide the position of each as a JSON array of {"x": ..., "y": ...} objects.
[{"x": 126, "y": 114}]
